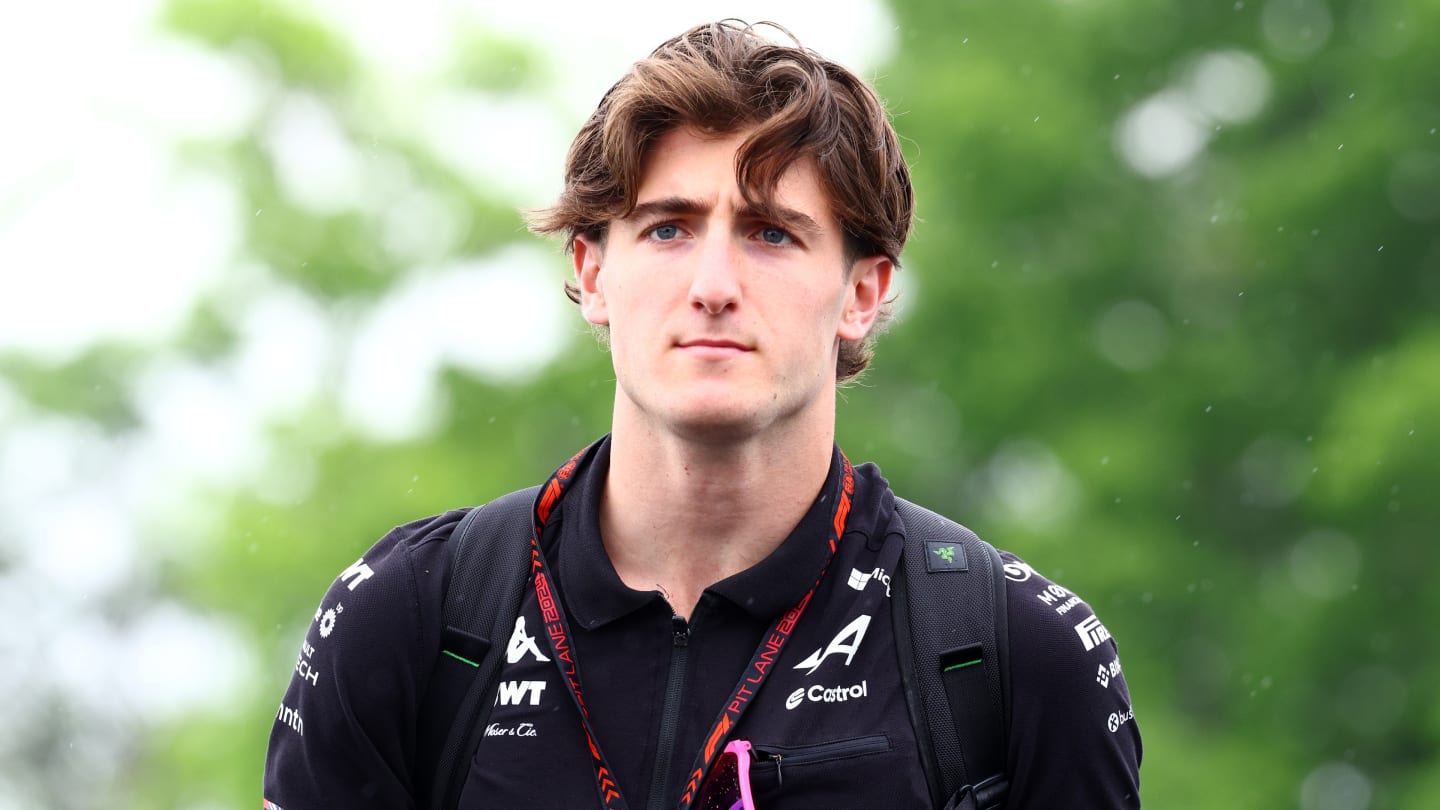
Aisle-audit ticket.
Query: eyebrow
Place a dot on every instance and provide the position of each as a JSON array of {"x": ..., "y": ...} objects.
[{"x": 793, "y": 220}]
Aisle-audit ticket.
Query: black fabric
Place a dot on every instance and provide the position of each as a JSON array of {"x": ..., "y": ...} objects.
[
  {"x": 831, "y": 727},
  {"x": 491, "y": 551},
  {"x": 957, "y": 644}
]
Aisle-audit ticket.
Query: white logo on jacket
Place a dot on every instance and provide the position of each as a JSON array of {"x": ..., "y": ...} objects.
[
  {"x": 847, "y": 641},
  {"x": 521, "y": 643}
]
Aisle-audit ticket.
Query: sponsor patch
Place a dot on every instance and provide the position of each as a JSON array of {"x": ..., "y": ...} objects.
[
  {"x": 1091, "y": 632},
  {"x": 1018, "y": 571},
  {"x": 517, "y": 730},
  {"x": 1119, "y": 719},
  {"x": 859, "y": 579},
  {"x": 515, "y": 693},
  {"x": 522, "y": 643},
  {"x": 847, "y": 641},
  {"x": 943, "y": 556},
  {"x": 827, "y": 694}
]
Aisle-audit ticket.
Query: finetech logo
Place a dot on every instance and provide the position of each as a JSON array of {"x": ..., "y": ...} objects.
[
  {"x": 827, "y": 694},
  {"x": 1091, "y": 632}
]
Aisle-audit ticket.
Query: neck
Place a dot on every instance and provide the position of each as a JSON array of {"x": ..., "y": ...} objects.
[{"x": 678, "y": 516}]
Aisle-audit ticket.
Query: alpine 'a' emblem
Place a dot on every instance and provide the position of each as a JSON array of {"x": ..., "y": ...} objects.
[{"x": 846, "y": 641}]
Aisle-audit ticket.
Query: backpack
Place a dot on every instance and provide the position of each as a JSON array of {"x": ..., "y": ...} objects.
[{"x": 950, "y": 636}]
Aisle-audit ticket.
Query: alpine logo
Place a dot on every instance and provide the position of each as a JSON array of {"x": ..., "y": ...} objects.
[
  {"x": 847, "y": 641},
  {"x": 521, "y": 643},
  {"x": 1092, "y": 632},
  {"x": 513, "y": 693},
  {"x": 859, "y": 579},
  {"x": 827, "y": 694}
]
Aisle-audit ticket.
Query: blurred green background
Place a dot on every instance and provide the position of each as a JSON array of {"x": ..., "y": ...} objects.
[{"x": 1168, "y": 329}]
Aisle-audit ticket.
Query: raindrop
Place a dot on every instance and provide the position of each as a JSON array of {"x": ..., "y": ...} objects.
[
  {"x": 1228, "y": 86},
  {"x": 1335, "y": 786},
  {"x": 1296, "y": 28},
  {"x": 1133, "y": 335},
  {"x": 1372, "y": 700},
  {"x": 1324, "y": 564},
  {"x": 1162, "y": 134},
  {"x": 1414, "y": 186}
]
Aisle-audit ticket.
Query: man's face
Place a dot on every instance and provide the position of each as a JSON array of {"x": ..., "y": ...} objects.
[{"x": 724, "y": 318}]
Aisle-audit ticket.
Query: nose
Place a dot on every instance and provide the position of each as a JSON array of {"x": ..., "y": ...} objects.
[{"x": 715, "y": 285}]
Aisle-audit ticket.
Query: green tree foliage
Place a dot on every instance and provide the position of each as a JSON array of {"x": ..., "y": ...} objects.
[{"x": 1200, "y": 398}]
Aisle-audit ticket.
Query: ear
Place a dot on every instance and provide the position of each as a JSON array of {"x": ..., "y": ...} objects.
[
  {"x": 868, "y": 285},
  {"x": 588, "y": 257}
]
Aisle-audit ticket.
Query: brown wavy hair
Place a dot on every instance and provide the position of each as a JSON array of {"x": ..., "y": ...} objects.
[{"x": 724, "y": 77}]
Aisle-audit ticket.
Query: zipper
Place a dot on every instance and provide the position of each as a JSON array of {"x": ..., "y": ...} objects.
[
  {"x": 793, "y": 755},
  {"x": 670, "y": 714}
]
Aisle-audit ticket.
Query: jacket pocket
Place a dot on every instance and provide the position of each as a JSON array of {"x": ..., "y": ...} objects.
[{"x": 774, "y": 765}]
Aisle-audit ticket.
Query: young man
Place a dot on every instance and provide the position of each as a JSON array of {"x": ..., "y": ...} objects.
[{"x": 714, "y": 570}]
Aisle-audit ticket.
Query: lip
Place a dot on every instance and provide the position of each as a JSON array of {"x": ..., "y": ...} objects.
[{"x": 713, "y": 348}]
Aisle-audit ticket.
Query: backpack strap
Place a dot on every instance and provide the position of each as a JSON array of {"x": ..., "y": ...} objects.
[
  {"x": 953, "y": 643},
  {"x": 490, "y": 565}
]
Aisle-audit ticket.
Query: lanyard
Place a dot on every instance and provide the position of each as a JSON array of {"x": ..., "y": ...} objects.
[{"x": 557, "y": 630}]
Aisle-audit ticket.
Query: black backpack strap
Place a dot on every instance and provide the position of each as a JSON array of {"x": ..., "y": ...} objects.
[
  {"x": 491, "y": 565},
  {"x": 952, "y": 640}
]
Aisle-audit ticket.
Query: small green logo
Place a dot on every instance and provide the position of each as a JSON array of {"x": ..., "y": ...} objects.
[{"x": 947, "y": 553}]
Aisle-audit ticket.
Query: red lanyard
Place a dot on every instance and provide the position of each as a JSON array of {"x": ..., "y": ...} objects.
[{"x": 557, "y": 630}]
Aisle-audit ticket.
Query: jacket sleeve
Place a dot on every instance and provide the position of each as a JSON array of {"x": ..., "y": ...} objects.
[
  {"x": 345, "y": 730},
  {"x": 1074, "y": 741}
]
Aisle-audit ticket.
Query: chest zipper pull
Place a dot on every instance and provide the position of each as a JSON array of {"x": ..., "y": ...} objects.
[
  {"x": 680, "y": 630},
  {"x": 779, "y": 776}
]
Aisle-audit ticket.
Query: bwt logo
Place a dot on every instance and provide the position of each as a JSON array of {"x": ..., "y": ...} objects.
[{"x": 512, "y": 693}]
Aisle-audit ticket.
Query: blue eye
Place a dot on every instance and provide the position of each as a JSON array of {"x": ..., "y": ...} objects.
[
  {"x": 664, "y": 233},
  {"x": 774, "y": 236}
]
